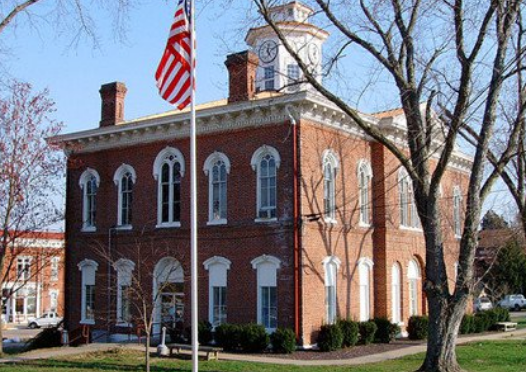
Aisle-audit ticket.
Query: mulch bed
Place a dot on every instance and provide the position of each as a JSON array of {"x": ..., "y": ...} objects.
[{"x": 347, "y": 353}]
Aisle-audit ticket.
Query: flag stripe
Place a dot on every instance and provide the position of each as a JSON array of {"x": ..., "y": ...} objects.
[{"x": 173, "y": 74}]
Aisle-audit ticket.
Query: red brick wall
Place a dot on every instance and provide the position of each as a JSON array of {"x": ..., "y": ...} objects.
[{"x": 240, "y": 241}]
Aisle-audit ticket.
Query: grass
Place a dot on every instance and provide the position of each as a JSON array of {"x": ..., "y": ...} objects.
[
  {"x": 497, "y": 356},
  {"x": 521, "y": 322}
]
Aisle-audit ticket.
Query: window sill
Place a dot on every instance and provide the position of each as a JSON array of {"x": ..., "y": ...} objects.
[
  {"x": 87, "y": 321},
  {"x": 124, "y": 324},
  {"x": 265, "y": 220},
  {"x": 168, "y": 225},
  {"x": 331, "y": 221},
  {"x": 409, "y": 228},
  {"x": 364, "y": 225},
  {"x": 89, "y": 229},
  {"x": 222, "y": 221},
  {"x": 124, "y": 227}
]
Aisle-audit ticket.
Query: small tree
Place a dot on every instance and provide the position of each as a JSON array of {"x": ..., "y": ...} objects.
[
  {"x": 30, "y": 171},
  {"x": 139, "y": 260}
]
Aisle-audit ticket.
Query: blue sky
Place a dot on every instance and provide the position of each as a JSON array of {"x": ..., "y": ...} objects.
[{"x": 74, "y": 74}]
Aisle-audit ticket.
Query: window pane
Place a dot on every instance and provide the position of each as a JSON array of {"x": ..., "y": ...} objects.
[
  {"x": 90, "y": 302},
  {"x": 219, "y": 306}
]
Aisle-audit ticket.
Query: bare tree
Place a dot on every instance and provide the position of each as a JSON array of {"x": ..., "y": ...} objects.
[
  {"x": 73, "y": 17},
  {"x": 454, "y": 56},
  {"x": 513, "y": 115},
  {"x": 30, "y": 170}
]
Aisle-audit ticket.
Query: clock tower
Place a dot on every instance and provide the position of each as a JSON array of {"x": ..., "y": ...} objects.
[{"x": 277, "y": 70}]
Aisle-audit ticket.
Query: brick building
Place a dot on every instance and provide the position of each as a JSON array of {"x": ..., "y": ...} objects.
[
  {"x": 33, "y": 276},
  {"x": 302, "y": 217}
]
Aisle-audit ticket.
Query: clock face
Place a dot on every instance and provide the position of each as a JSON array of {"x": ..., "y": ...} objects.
[
  {"x": 314, "y": 53},
  {"x": 268, "y": 51}
]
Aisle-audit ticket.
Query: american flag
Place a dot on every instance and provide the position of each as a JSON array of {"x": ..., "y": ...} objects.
[{"x": 173, "y": 72}]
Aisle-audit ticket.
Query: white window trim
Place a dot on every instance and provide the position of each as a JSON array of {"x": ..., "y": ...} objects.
[
  {"x": 368, "y": 263},
  {"x": 413, "y": 310},
  {"x": 412, "y": 222},
  {"x": 396, "y": 301},
  {"x": 207, "y": 168},
  {"x": 25, "y": 260},
  {"x": 221, "y": 261},
  {"x": 332, "y": 260},
  {"x": 55, "y": 260},
  {"x": 123, "y": 267},
  {"x": 330, "y": 157},
  {"x": 117, "y": 179},
  {"x": 158, "y": 163},
  {"x": 364, "y": 167},
  {"x": 84, "y": 178},
  {"x": 457, "y": 220},
  {"x": 52, "y": 292},
  {"x": 255, "y": 263},
  {"x": 81, "y": 265},
  {"x": 255, "y": 164}
]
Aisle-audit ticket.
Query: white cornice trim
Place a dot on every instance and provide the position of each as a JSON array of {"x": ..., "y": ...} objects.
[{"x": 309, "y": 105}]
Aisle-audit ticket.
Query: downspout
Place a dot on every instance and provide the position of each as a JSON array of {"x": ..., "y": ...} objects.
[{"x": 298, "y": 314}]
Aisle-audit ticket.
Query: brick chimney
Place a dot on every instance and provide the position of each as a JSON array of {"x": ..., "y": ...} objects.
[
  {"x": 241, "y": 76},
  {"x": 112, "y": 100}
]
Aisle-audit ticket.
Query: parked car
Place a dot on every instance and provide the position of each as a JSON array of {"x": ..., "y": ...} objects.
[
  {"x": 50, "y": 319},
  {"x": 482, "y": 304},
  {"x": 515, "y": 302}
]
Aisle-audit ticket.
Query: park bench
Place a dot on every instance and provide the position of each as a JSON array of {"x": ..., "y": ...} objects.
[
  {"x": 506, "y": 326},
  {"x": 211, "y": 351}
]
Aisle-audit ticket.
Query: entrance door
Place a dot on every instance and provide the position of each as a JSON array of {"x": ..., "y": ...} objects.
[{"x": 172, "y": 310}]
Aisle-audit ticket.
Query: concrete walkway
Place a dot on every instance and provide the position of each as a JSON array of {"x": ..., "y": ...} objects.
[{"x": 372, "y": 358}]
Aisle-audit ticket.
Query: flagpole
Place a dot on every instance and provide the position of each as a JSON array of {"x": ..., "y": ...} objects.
[{"x": 193, "y": 196}]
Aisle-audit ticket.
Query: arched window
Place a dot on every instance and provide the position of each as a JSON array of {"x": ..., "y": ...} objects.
[
  {"x": 330, "y": 166},
  {"x": 89, "y": 183},
  {"x": 124, "y": 270},
  {"x": 217, "y": 167},
  {"x": 408, "y": 212},
  {"x": 217, "y": 289},
  {"x": 331, "y": 265},
  {"x": 413, "y": 277},
  {"x": 88, "y": 269},
  {"x": 124, "y": 179},
  {"x": 364, "y": 179},
  {"x": 168, "y": 170},
  {"x": 265, "y": 162},
  {"x": 396, "y": 293},
  {"x": 267, "y": 304},
  {"x": 457, "y": 200},
  {"x": 365, "y": 266}
]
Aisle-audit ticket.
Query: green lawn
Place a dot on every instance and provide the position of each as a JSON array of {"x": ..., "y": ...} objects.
[
  {"x": 502, "y": 356},
  {"x": 521, "y": 322}
]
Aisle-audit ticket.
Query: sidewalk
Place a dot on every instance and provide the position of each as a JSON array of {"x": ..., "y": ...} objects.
[{"x": 372, "y": 358}]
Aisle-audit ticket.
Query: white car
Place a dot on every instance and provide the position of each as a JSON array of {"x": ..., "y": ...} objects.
[
  {"x": 515, "y": 302},
  {"x": 482, "y": 304},
  {"x": 50, "y": 319}
]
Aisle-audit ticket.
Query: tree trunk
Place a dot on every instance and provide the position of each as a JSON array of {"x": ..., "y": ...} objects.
[
  {"x": 1, "y": 333},
  {"x": 147, "y": 352},
  {"x": 443, "y": 332},
  {"x": 445, "y": 309}
]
